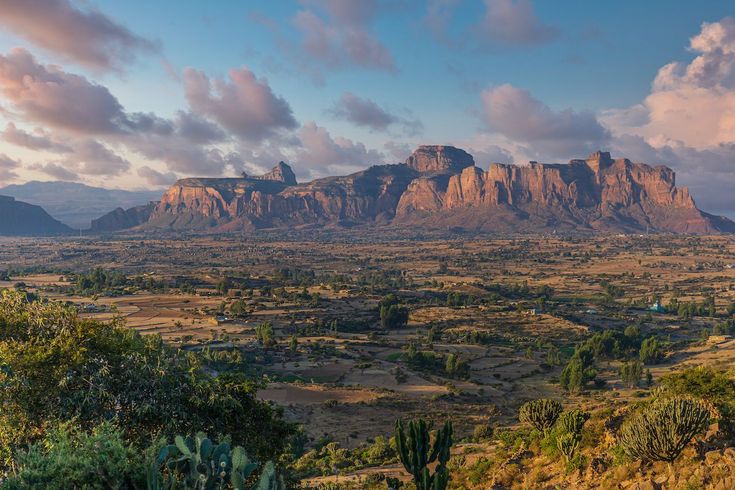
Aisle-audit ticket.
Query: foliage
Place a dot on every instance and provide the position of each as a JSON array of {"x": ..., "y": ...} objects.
[
  {"x": 541, "y": 414},
  {"x": 662, "y": 430},
  {"x": 631, "y": 372},
  {"x": 392, "y": 313},
  {"x": 579, "y": 370},
  {"x": 329, "y": 457},
  {"x": 652, "y": 351},
  {"x": 416, "y": 453},
  {"x": 264, "y": 334},
  {"x": 198, "y": 463},
  {"x": 707, "y": 383},
  {"x": 56, "y": 367},
  {"x": 71, "y": 458}
]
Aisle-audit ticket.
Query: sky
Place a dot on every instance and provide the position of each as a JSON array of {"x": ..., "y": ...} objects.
[{"x": 135, "y": 94}]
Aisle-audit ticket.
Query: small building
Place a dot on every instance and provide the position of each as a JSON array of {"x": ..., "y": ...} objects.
[{"x": 657, "y": 307}]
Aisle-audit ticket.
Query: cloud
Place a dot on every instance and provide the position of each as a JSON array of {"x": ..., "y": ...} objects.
[
  {"x": 513, "y": 23},
  {"x": 319, "y": 153},
  {"x": 54, "y": 170},
  {"x": 366, "y": 113},
  {"x": 91, "y": 157},
  {"x": 39, "y": 141},
  {"x": 197, "y": 129},
  {"x": 490, "y": 154},
  {"x": 7, "y": 167},
  {"x": 437, "y": 17},
  {"x": 398, "y": 151},
  {"x": 340, "y": 37},
  {"x": 87, "y": 37},
  {"x": 244, "y": 105},
  {"x": 50, "y": 96},
  {"x": 517, "y": 115},
  {"x": 154, "y": 177}
]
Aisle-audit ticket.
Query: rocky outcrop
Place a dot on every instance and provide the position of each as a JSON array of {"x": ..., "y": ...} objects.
[
  {"x": 122, "y": 219},
  {"x": 18, "y": 218},
  {"x": 280, "y": 173},
  {"x": 440, "y": 187},
  {"x": 439, "y": 159},
  {"x": 597, "y": 193}
]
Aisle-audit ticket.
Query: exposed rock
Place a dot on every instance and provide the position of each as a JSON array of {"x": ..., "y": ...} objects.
[
  {"x": 440, "y": 188},
  {"x": 121, "y": 219},
  {"x": 280, "y": 173},
  {"x": 19, "y": 218},
  {"x": 439, "y": 159}
]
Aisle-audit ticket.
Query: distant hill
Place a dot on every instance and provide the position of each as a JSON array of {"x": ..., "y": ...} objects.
[
  {"x": 22, "y": 219},
  {"x": 76, "y": 205}
]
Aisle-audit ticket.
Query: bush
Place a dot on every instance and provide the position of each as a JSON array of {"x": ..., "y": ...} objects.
[
  {"x": 662, "y": 431},
  {"x": 71, "y": 458}
]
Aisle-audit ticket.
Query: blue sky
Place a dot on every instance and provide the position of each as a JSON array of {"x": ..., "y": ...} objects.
[{"x": 510, "y": 80}]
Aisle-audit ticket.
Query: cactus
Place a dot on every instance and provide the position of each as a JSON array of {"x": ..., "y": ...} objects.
[
  {"x": 196, "y": 463},
  {"x": 572, "y": 421},
  {"x": 541, "y": 414},
  {"x": 569, "y": 431},
  {"x": 567, "y": 442},
  {"x": 662, "y": 431},
  {"x": 416, "y": 453}
]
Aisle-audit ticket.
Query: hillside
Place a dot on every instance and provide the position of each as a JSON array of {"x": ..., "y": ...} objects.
[{"x": 23, "y": 219}]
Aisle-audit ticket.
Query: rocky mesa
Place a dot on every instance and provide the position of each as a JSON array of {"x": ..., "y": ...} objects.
[{"x": 439, "y": 187}]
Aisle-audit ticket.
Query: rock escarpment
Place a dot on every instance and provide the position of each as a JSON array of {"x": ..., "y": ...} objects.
[
  {"x": 439, "y": 187},
  {"x": 19, "y": 218}
]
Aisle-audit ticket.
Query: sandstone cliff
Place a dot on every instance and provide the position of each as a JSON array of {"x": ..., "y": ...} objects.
[{"x": 440, "y": 187}]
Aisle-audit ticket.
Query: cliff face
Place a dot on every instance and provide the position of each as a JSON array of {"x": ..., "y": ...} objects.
[
  {"x": 439, "y": 187},
  {"x": 22, "y": 219}
]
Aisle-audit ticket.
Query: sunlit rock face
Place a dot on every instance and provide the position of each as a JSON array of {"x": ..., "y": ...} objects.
[{"x": 439, "y": 187}]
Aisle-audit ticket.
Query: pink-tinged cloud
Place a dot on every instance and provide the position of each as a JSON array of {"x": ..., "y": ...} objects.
[
  {"x": 39, "y": 140},
  {"x": 517, "y": 115},
  {"x": 513, "y": 23},
  {"x": 48, "y": 95},
  {"x": 692, "y": 103},
  {"x": 320, "y": 154},
  {"x": 341, "y": 36},
  {"x": 154, "y": 177},
  {"x": 244, "y": 104},
  {"x": 91, "y": 157},
  {"x": 54, "y": 170},
  {"x": 366, "y": 113},
  {"x": 7, "y": 169},
  {"x": 87, "y": 37}
]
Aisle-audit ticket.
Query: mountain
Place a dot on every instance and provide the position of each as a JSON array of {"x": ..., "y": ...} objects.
[
  {"x": 22, "y": 219},
  {"x": 439, "y": 187},
  {"x": 121, "y": 219},
  {"x": 77, "y": 204}
]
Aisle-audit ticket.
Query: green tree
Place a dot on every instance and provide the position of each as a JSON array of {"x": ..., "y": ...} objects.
[
  {"x": 55, "y": 366},
  {"x": 264, "y": 334},
  {"x": 652, "y": 351},
  {"x": 631, "y": 372}
]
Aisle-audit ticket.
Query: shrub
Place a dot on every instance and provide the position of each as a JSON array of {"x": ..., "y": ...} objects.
[
  {"x": 651, "y": 351},
  {"x": 541, "y": 414},
  {"x": 71, "y": 458},
  {"x": 662, "y": 431}
]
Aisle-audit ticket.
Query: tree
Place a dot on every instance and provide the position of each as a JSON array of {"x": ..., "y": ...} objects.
[
  {"x": 630, "y": 373},
  {"x": 541, "y": 414},
  {"x": 264, "y": 334},
  {"x": 662, "y": 431},
  {"x": 579, "y": 370},
  {"x": 55, "y": 366},
  {"x": 416, "y": 453},
  {"x": 651, "y": 351}
]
